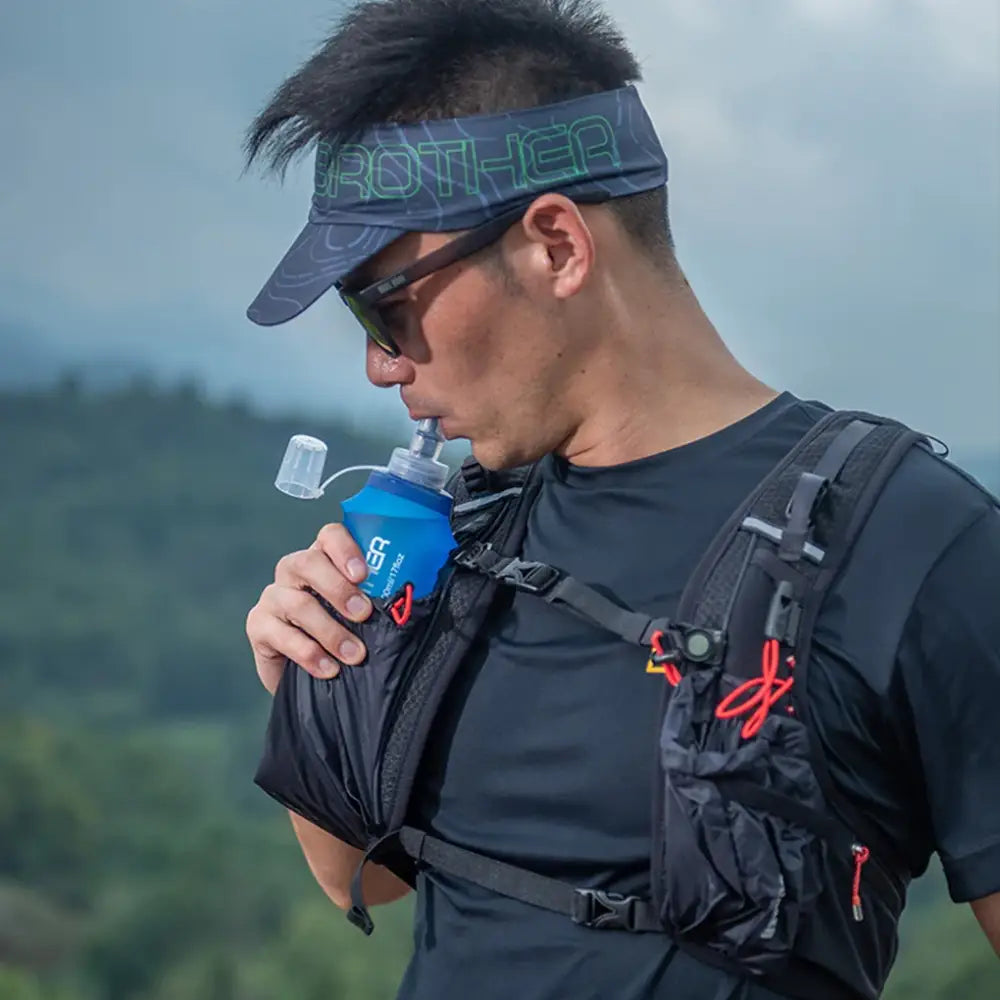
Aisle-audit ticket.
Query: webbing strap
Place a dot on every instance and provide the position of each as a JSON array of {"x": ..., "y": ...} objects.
[
  {"x": 556, "y": 588},
  {"x": 812, "y": 487},
  {"x": 633, "y": 626},
  {"x": 358, "y": 913},
  {"x": 597, "y": 909},
  {"x": 593, "y": 908},
  {"x": 835, "y": 457}
]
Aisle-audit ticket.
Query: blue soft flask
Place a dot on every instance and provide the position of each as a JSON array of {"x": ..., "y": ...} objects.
[{"x": 401, "y": 519}]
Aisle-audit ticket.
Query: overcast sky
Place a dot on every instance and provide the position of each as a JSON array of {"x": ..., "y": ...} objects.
[{"x": 835, "y": 194}]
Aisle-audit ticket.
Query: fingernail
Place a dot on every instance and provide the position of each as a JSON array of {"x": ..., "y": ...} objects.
[
  {"x": 357, "y": 606},
  {"x": 328, "y": 668},
  {"x": 349, "y": 650},
  {"x": 357, "y": 569}
]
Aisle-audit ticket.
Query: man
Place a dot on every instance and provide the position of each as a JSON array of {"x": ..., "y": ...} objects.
[{"x": 572, "y": 339}]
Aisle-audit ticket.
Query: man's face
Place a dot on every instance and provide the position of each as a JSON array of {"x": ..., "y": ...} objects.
[{"x": 484, "y": 345}]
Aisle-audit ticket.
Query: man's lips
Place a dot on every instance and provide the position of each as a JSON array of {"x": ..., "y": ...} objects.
[
  {"x": 416, "y": 415},
  {"x": 419, "y": 412}
]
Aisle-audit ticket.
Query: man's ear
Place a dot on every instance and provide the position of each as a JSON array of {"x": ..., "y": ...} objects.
[{"x": 561, "y": 251}]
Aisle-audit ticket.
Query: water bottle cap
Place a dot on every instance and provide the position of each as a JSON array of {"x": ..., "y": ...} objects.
[{"x": 301, "y": 469}]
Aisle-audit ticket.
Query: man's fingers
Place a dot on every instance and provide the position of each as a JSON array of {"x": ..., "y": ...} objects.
[
  {"x": 342, "y": 550},
  {"x": 302, "y": 610},
  {"x": 313, "y": 569},
  {"x": 304, "y": 650},
  {"x": 286, "y": 642},
  {"x": 289, "y": 622}
]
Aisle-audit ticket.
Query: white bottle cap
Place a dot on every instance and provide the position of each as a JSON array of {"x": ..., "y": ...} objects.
[{"x": 301, "y": 469}]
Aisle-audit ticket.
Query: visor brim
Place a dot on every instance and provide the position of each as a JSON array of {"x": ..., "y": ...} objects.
[{"x": 322, "y": 255}]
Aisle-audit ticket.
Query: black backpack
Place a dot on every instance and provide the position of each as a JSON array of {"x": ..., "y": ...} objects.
[{"x": 759, "y": 865}]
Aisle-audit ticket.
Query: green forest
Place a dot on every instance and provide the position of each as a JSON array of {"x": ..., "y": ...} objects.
[{"x": 137, "y": 859}]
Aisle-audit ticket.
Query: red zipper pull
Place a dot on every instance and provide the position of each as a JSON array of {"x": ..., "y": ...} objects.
[
  {"x": 861, "y": 855},
  {"x": 400, "y": 610}
]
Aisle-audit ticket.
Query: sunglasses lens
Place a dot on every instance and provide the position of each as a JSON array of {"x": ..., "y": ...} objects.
[{"x": 370, "y": 323}]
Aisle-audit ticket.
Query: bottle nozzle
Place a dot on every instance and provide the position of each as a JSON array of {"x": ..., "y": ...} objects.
[
  {"x": 419, "y": 463},
  {"x": 427, "y": 441}
]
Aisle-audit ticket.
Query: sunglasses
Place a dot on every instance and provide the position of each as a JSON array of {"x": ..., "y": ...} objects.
[{"x": 364, "y": 302}]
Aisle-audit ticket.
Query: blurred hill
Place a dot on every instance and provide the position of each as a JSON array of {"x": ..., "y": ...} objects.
[{"x": 137, "y": 860}]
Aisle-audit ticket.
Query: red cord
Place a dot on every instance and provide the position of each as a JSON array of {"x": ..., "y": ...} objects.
[
  {"x": 670, "y": 671},
  {"x": 861, "y": 855},
  {"x": 400, "y": 609},
  {"x": 763, "y": 692}
]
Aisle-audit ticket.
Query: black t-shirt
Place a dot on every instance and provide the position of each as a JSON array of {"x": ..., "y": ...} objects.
[{"x": 543, "y": 752}]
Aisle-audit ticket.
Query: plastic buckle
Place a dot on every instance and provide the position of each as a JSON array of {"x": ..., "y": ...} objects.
[
  {"x": 604, "y": 910},
  {"x": 531, "y": 577},
  {"x": 476, "y": 556},
  {"x": 809, "y": 493},
  {"x": 783, "y": 615}
]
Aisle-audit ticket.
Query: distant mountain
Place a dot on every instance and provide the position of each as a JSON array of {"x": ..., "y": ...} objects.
[
  {"x": 26, "y": 360},
  {"x": 29, "y": 359}
]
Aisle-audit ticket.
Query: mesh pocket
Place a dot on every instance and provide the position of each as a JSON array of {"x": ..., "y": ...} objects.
[{"x": 731, "y": 876}]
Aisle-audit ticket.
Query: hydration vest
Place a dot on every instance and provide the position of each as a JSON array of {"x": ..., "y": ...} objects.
[{"x": 759, "y": 864}]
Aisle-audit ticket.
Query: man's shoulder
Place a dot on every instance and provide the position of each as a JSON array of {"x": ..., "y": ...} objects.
[
  {"x": 926, "y": 487},
  {"x": 923, "y": 484},
  {"x": 925, "y": 505}
]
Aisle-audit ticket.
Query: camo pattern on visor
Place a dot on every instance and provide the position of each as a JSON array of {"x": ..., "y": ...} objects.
[{"x": 455, "y": 173}]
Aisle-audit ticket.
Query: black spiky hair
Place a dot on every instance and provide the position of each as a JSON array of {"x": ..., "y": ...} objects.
[{"x": 411, "y": 60}]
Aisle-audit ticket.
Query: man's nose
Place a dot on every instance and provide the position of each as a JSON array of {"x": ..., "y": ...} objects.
[{"x": 384, "y": 371}]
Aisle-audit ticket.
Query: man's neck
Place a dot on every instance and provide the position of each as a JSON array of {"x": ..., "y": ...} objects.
[{"x": 661, "y": 378}]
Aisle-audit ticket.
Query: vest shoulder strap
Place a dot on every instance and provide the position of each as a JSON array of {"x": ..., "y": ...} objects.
[
  {"x": 808, "y": 510},
  {"x": 767, "y": 572},
  {"x": 481, "y": 496}
]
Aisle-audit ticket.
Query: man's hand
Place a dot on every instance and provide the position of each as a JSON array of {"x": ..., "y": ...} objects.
[{"x": 290, "y": 623}]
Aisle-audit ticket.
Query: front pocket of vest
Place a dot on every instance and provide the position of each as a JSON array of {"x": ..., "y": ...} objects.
[
  {"x": 733, "y": 877},
  {"x": 323, "y": 736}
]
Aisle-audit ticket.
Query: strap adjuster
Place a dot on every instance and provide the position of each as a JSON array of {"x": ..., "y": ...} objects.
[
  {"x": 531, "y": 577},
  {"x": 604, "y": 910},
  {"x": 783, "y": 615},
  {"x": 521, "y": 574}
]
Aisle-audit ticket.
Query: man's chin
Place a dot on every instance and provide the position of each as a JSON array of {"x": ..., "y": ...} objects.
[
  {"x": 494, "y": 457},
  {"x": 487, "y": 454},
  {"x": 487, "y": 457}
]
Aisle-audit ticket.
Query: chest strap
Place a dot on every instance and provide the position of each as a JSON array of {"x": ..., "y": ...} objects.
[
  {"x": 594, "y": 908},
  {"x": 699, "y": 645}
]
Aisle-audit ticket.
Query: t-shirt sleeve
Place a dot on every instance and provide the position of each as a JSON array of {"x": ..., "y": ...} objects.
[{"x": 949, "y": 658}]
